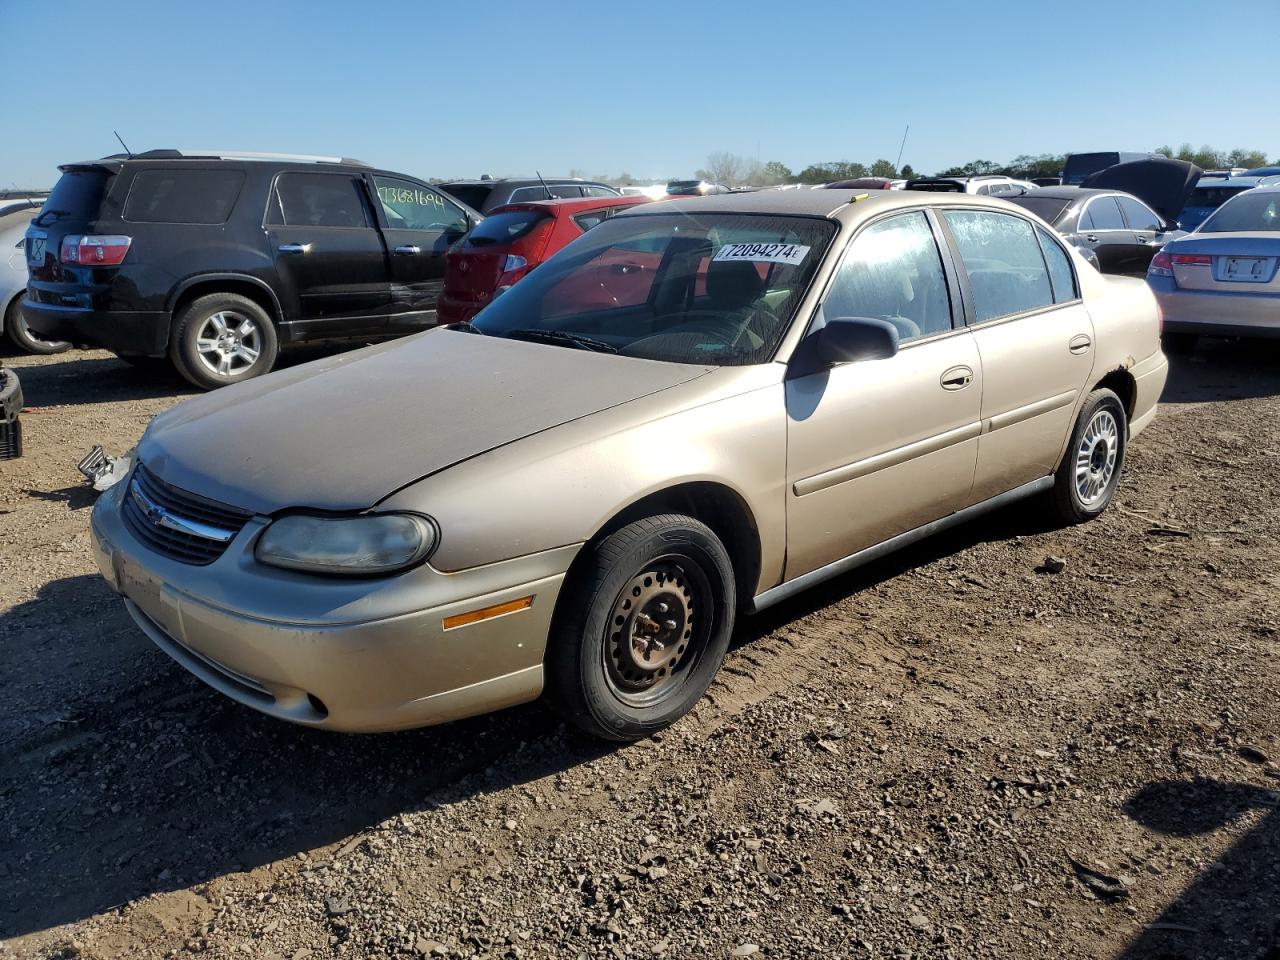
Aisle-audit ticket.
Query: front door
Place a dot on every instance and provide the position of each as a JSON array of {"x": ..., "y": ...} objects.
[
  {"x": 420, "y": 225},
  {"x": 328, "y": 254},
  {"x": 1035, "y": 339},
  {"x": 877, "y": 448}
]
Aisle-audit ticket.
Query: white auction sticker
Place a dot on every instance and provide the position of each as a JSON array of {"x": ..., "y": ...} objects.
[{"x": 790, "y": 253}]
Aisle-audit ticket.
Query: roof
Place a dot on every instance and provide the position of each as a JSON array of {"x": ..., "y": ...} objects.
[
  {"x": 1236, "y": 183},
  {"x": 571, "y": 204},
  {"x": 522, "y": 181},
  {"x": 115, "y": 160},
  {"x": 832, "y": 204},
  {"x": 1066, "y": 193}
]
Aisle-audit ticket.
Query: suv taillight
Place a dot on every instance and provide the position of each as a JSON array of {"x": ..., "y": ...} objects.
[{"x": 94, "y": 251}]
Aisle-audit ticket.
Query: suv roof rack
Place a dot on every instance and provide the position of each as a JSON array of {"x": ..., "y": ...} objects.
[{"x": 171, "y": 154}]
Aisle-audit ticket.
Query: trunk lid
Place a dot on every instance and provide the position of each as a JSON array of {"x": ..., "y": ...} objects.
[
  {"x": 474, "y": 267},
  {"x": 1162, "y": 184},
  {"x": 1247, "y": 263}
]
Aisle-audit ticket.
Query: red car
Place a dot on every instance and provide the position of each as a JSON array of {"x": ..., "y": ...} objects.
[{"x": 510, "y": 242}]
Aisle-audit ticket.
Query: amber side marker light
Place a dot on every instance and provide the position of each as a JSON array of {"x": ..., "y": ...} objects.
[{"x": 486, "y": 613}]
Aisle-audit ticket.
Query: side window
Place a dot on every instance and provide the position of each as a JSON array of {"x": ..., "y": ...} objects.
[
  {"x": 594, "y": 191},
  {"x": 893, "y": 271},
  {"x": 1105, "y": 215},
  {"x": 320, "y": 200},
  {"x": 183, "y": 196},
  {"x": 1002, "y": 257},
  {"x": 592, "y": 218},
  {"x": 1060, "y": 272},
  {"x": 411, "y": 206},
  {"x": 1139, "y": 215}
]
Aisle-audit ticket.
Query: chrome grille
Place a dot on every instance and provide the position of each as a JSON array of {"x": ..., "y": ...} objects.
[{"x": 178, "y": 524}]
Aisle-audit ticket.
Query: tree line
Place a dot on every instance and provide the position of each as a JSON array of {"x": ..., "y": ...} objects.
[{"x": 734, "y": 169}]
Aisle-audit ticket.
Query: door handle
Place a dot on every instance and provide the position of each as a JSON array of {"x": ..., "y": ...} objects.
[
  {"x": 957, "y": 378},
  {"x": 408, "y": 250},
  {"x": 295, "y": 248},
  {"x": 1091, "y": 238},
  {"x": 1080, "y": 343}
]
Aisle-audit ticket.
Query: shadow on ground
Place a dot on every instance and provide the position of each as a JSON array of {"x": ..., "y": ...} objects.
[
  {"x": 1232, "y": 910},
  {"x": 1224, "y": 370}
]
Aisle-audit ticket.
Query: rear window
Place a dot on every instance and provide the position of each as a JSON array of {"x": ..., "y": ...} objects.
[
  {"x": 1212, "y": 197},
  {"x": 473, "y": 195},
  {"x": 1047, "y": 209},
  {"x": 76, "y": 196},
  {"x": 183, "y": 196},
  {"x": 1080, "y": 166},
  {"x": 1249, "y": 213},
  {"x": 504, "y": 227}
]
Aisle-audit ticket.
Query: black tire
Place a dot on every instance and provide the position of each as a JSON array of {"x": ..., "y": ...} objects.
[
  {"x": 1179, "y": 344},
  {"x": 1098, "y": 450},
  {"x": 20, "y": 335},
  {"x": 595, "y": 677},
  {"x": 242, "y": 318}
]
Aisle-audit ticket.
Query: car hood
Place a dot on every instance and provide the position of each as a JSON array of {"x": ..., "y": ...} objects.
[
  {"x": 344, "y": 432},
  {"x": 1163, "y": 185}
]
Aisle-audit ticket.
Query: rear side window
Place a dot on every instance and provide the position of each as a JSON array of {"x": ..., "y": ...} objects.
[
  {"x": 1102, "y": 214},
  {"x": 559, "y": 191},
  {"x": 411, "y": 206},
  {"x": 1061, "y": 275},
  {"x": 1002, "y": 257},
  {"x": 505, "y": 227},
  {"x": 320, "y": 200},
  {"x": 183, "y": 196},
  {"x": 473, "y": 196},
  {"x": 76, "y": 196},
  {"x": 591, "y": 218},
  {"x": 591, "y": 190}
]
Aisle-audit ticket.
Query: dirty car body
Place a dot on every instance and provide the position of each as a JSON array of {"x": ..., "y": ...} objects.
[{"x": 583, "y": 495}]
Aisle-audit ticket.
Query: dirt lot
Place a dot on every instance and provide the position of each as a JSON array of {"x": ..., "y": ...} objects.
[{"x": 948, "y": 754}]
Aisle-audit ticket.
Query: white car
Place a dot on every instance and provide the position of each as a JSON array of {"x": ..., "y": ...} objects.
[{"x": 15, "y": 215}]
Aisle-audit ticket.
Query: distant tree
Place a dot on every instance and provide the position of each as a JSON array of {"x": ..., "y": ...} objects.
[
  {"x": 575, "y": 172},
  {"x": 1165, "y": 151},
  {"x": 701, "y": 174},
  {"x": 883, "y": 168},
  {"x": 827, "y": 172},
  {"x": 1246, "y": 158},
  {"x": 775, "y": 172},
  {"x": 1042, "y": 165},
  {"x": 906, "y": 173},
  {"x": 725, "y": 167}
]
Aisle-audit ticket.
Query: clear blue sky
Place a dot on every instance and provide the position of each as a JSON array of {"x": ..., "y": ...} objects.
[{"x": 453, "y": 89}]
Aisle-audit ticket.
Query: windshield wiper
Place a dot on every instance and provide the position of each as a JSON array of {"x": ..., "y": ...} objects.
[
  {"x": 561, "y": 337},
  {"x": 464, "y": 326}
]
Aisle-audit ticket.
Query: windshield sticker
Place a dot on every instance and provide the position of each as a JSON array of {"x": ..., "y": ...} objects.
[{"x": 789, "y": 253}]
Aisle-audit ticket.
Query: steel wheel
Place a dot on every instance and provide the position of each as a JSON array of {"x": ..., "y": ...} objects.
[
  {"x": 228, "y": 343},
  {"x": 1096, "y": 457},
  {"x": 657, "y": 631}
]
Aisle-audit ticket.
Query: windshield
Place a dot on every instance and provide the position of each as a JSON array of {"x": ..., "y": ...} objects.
[
  {"x": 710, "y": 289},
  {"x": 1047, "y": 209},
  {"x": 1249, "y": 212}
]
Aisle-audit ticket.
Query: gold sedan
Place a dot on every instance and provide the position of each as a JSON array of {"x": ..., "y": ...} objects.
[{"x": 695, "y": 410}]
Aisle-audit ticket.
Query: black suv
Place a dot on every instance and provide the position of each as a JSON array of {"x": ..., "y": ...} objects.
[
  {"x": 214, "y": 261},
  {"x": 487, "y": 193}
]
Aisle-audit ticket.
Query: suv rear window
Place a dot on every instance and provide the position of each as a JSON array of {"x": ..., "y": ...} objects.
[
  {"x": 473, "y": 195},
  {"x": 77, "y": 196},
  {"x": 183, "y": 196},
  {"x": 1212, "y": 196},
  {"x": 505, "y": 227}
]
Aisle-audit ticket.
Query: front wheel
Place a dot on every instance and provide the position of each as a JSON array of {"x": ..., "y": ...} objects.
[
  {"x": 1086, "y": 481},
  {"x": 223, "y": 338},
  {"x": 20, "y": 335},
  {"x": 642, "y": 628}
]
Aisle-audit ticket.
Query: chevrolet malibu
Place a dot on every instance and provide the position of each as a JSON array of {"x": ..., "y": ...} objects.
[{"x": 577, "y": 495}]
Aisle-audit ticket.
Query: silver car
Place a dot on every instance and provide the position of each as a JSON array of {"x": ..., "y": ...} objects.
[
  {"x": 15, "y": 215},
  {"x": 1224, "y": 279}
]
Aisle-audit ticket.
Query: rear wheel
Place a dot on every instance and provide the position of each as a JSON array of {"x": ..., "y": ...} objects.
[
  {"x": 642, "y": 628},
  {"x": 223, "y": 338},
  {"x": 1086, "y": 481},
  {"x": 20, "y": 335},
  {"x": 1179, "y": 343}
]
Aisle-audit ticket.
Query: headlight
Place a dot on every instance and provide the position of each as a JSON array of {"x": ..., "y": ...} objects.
[{"x": 375, "y": 543}]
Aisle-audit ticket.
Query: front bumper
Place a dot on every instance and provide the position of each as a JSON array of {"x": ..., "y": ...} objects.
[
  {"x": 1215, "y": 313},
  {"x": 314, "y": 651},
  {"x": 129, "y": 332}
]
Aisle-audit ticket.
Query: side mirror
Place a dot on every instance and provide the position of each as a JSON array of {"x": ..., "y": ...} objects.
[{"x": 845, "y": 340}]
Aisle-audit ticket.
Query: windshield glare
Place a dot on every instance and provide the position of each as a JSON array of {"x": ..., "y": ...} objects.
[
  {"x": 1247, "y": 212},
  {"x": 708, "y": 289}
]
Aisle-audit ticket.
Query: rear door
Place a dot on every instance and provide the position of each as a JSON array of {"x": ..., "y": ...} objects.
[
  {"x": 328, "y": 254},
  {"x": 419, "y": 224},
  {"x": 1103, "y": 230},
  {"x": 1147, "y": 227},
  {"x": 1035, "y": 339}
]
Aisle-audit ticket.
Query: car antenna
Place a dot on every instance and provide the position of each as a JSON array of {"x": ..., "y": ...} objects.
[
  {"x": 123, "y": 144},
  {"x": 544, "y": 186}
]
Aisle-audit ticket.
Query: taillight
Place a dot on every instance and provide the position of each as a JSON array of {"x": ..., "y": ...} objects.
[
  {"x": 1192, "y": 259},
  {"x": 513, "y": 268},
  {"x": 1161, "y": 265},
  {"x": 94, "y": 251}
]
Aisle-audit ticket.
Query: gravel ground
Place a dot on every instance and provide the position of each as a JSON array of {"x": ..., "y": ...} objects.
[{"x": 954, "y": 753}]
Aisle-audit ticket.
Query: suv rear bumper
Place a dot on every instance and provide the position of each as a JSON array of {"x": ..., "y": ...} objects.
[{"x": 143, "y": 333}]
